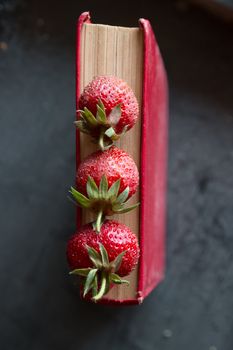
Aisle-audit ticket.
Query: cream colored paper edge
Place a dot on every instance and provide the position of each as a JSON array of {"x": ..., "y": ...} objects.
[{"x": 118, "y": 51}]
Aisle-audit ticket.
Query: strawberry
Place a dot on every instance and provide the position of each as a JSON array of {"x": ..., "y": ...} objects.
[
  {"x": 102, "y": 259},
  {"x": 114, "y": 164},
  {"x": 105, "y": 181},
  {"x": 108, "y": 108}
]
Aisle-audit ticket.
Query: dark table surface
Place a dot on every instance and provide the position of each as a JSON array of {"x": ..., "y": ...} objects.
[{"x": 40, "y": 308}]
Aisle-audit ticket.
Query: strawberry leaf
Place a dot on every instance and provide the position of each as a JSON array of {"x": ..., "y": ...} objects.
[
  {"x": 114, "y": 189},
  {"x": 103, "y": 187},
  {"x": 108, "y": 283},
  {"x": 103, "y": 285},
  {"x": 104, "y": 255},
  {"x": 80, "y": 272},
  {"x": 89, "y": 280},
  {"x": 81, "y": 114},
  {"x": 116, "y": 263},
  {"x": 94, "y": 257},
  {"x": 89, "y": 117},
  {"x": 95, "y": 286},
  {"x": 82, "y": 200},
  {"x": 101, "y": 115},
  {"x": 92, "y": 189},
  {"x": 101, "y": 105},
  {"x": 123, "y": 195},
  {"x": 81, "y": 125},
  {"x": 125, "y": 210},
  {"x": 115, "y": 115},
  {"x": 117, "y": 280}
]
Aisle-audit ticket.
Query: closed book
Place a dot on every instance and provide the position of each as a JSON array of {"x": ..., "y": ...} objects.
[{"x": 133, "y": 55}]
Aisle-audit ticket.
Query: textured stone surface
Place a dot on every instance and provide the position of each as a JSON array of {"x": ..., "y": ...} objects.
[{"x": 40, "y": 309}]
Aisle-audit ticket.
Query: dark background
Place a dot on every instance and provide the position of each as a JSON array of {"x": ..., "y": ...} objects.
[{"x": 40, "y": 308}]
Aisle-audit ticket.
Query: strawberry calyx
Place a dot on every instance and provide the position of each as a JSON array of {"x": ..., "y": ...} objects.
[
  {"x": 98, "y": 279},
  {"x": 102, "y": 200},
  {"x": 101, "y": 127}
]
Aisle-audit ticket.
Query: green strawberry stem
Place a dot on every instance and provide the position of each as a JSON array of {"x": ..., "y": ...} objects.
[
  {"x": 101, "y": 126},
  {"x": 104, "y": 200},
  {"x": 101, "y": 141},
  {"x": 99, "y": 221},
  {"x": 103, "y": 269}
]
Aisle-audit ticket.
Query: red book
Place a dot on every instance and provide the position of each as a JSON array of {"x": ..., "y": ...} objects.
[{"x": 137, "y": 60}]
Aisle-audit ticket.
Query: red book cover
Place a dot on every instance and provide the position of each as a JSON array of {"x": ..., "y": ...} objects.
[{"x": 153, "y": 162}]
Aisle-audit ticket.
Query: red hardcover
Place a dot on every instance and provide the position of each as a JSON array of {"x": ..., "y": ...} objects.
[{"x": 153, "y": 163}]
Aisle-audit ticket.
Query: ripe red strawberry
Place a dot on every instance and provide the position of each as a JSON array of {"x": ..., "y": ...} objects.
[
  {"x": 106, "y": 180},
  {"x": 108, "y": 108},
  {"x": 102, "y": 258},
  {"x": 114, "y": 164}
]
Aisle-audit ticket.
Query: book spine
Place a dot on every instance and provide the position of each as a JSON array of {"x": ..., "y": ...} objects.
[{"x": 153, "y": 165}]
